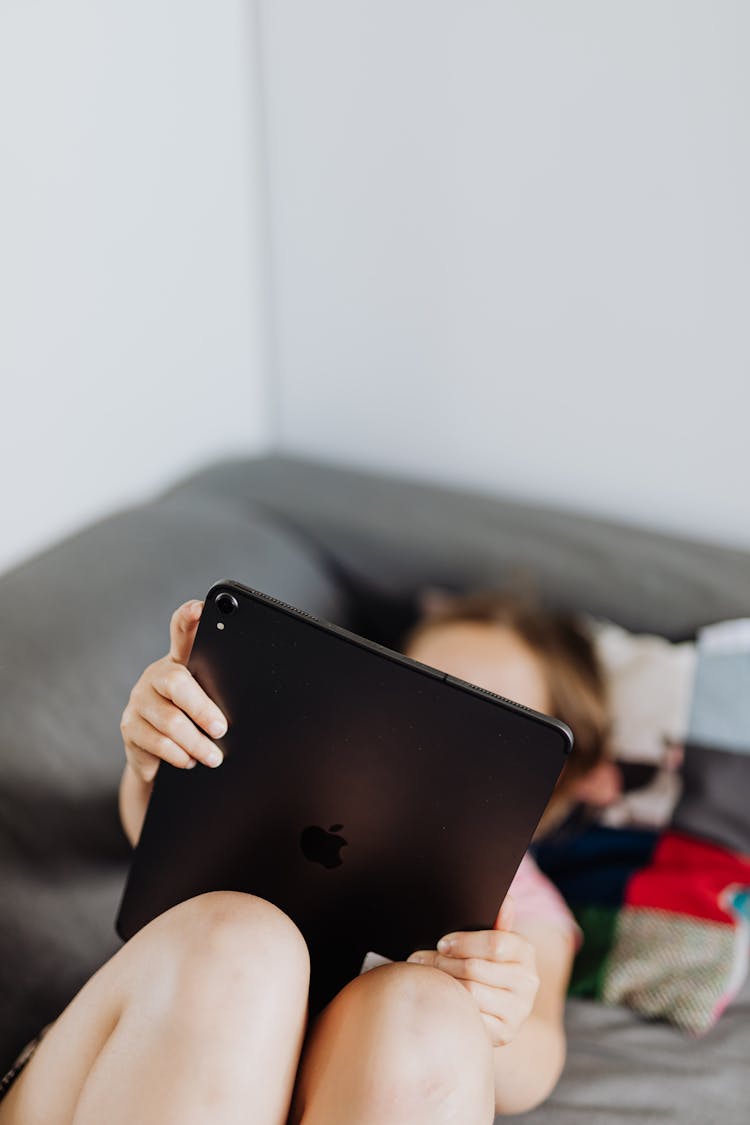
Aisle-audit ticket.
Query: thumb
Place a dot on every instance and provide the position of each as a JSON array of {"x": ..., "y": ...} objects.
[
  {"x": 506, "y": 914},
  {"x": 182, "y": 628}
]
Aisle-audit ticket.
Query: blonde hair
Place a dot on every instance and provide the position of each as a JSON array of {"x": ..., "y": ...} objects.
[{"x": 575, "y": 679}]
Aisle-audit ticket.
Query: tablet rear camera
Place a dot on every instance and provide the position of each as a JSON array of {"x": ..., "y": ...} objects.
[{"x": 226, "y": 603}]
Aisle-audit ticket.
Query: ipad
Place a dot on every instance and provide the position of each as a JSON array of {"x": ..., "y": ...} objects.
[{"x": 376, "y": 800}]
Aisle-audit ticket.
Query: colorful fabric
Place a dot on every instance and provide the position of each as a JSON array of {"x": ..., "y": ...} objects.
[
  {"x": 660, "y": 884},
  {"x": 680, "y": 945},
  {"x": 665, "y": 918}
]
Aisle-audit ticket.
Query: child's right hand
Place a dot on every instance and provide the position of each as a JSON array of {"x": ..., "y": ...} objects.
[{"x": 167, "y": 706}]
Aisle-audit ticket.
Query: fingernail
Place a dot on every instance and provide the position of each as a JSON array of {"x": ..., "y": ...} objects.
[
  {"x": 215, "y": 757},
  {"x": 444, "y": 944},
  {"x": 190, "y": 765},
  {"x": 217, "y": 728},
  {"x": 416, "y": 959}
]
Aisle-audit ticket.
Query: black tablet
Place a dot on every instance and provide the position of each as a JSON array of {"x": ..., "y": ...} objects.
[{"x": 376, "y": 800}]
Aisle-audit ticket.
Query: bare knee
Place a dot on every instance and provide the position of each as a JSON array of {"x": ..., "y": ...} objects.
[
  {"x": 221, "y": 950},
  {"x": 424, "y": 1002},
  {"x": 437, "y": 1051},
  {"x": 224, "y": 923},
  {"x": 444, "y": 1056}
]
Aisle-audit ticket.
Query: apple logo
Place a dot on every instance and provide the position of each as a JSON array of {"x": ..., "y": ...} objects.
[{"x": 321, "y": 846}]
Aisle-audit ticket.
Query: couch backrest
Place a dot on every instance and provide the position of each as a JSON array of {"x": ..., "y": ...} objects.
[{"x": 389, "y": 535}]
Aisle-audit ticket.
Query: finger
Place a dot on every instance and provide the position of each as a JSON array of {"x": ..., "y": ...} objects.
[
  {"x": 146, "y": 743},
  {"x": 494, "y": 945},
  {"x": 495, "y": 974},
  {"x": 492, "y": 1001},
  {"x": 509, "y": 975},
  {"x": 512, "y": 1005},
  {"x": 182, "y": 627},
  {"x": 505, "y": 1012},
  {"x": 170, "y": 722},
  {"x": 499, "y": 1032},
  {"x": 506, "y": 914},
  {"x": 177, "y": 684}
]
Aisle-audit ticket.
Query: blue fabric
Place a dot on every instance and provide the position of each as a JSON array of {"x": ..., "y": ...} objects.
[{"x": 592, "y": 865}]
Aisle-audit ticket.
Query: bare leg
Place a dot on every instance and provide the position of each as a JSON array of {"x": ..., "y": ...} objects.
[
  {"x": 199, "y": 1017},
  {"x": 399, "y": 1045}
]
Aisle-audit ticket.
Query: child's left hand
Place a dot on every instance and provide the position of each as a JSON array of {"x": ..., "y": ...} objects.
[{"x": 498, "y": 968}]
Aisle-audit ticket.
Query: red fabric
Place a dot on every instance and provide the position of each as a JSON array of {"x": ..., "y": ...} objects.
[{"x": 687, "y": 876}]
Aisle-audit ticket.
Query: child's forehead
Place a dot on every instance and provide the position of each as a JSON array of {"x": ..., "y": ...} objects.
[
  {"x": 481, "y": 652},
  {"x": 491, "y": 637},
  {"x": 486, "y": 654}
]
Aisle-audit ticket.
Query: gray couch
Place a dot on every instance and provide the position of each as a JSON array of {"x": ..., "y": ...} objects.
[{"x": 81, "y": 620}]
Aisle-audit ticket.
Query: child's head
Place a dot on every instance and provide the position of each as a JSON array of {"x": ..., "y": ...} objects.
[{"x": 510, "y": 644}]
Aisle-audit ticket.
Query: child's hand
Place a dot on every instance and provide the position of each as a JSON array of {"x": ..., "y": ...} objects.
[
  {"x": 498, "y": 968},
  {"x": 166, "y": 703}
]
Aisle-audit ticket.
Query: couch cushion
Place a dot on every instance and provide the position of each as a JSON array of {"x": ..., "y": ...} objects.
[{"x": 80, "y": 622}]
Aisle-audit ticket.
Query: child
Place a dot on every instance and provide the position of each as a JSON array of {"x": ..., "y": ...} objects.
[{"x": 202, "y": 1015}]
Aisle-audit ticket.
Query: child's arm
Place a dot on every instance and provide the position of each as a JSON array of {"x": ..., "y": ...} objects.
[
  {"x": 528, "y": 1068},
  {"x": 519, "y": 978},
  {"x": 164, "y": 720}
]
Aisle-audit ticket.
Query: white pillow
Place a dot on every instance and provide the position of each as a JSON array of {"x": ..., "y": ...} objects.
[{"x": 650, "y": 681}]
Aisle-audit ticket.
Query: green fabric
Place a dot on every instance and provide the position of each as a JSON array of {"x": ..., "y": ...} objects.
[{"x": 598, "y": 924}]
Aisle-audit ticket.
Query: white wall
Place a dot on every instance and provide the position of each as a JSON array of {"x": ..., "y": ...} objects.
[
  {"x": 133, "y": 304},
  {"x": 512, "y": 247}
]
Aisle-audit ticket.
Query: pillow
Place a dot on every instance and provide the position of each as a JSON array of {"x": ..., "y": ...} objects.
[
  {"x": 650, "y": 685},
  {"x": 684, "y": 709},
  {"x": 666, "y": 913}
]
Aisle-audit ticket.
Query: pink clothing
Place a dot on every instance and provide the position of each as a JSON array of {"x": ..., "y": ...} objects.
[{"x": 536, "y": 896}]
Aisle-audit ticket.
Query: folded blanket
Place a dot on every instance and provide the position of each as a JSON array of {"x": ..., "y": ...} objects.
[{"x": 665, "y": 917}]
